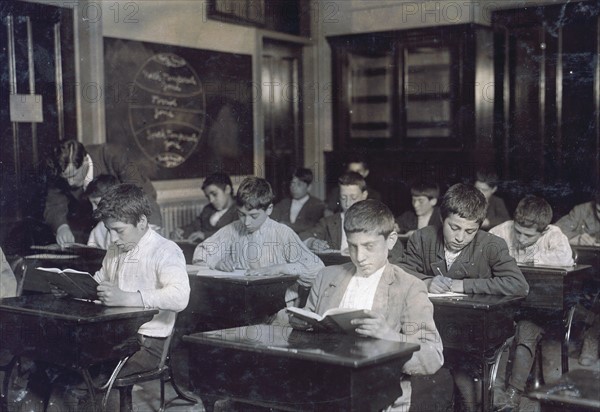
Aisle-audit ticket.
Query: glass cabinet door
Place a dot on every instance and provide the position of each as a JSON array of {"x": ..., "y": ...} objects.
[
  {"x": 428, "y": 92},
  {"x": 370, "y": 89}
]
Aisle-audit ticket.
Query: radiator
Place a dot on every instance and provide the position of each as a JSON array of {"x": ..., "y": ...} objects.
[{"x": 179, "y": 214}]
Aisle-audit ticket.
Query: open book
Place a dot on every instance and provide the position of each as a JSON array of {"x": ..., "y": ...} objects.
[
  {"x": 447, "y": 295},
  {"x": 73, "y": 282},
  {"x": 335, "y": 319}
]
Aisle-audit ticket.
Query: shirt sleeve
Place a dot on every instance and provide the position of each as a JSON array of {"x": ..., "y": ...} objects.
[
  {"x": 413, "y": 262},
  {"x": 173, "y": 289},
  {"x": 213, "y": 249},
  {"x": 555, "y": 250},
  {"x": 56, "y": 208},
  {"x": 300, "y": 260},
  {"x": 569, "y": 224}
]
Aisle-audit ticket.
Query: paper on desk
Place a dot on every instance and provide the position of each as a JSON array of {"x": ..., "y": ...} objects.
[
  {"x": 51, "y": 256},
  {"x": 446, "y": 295},
  {"x": 206, "y": 271}
]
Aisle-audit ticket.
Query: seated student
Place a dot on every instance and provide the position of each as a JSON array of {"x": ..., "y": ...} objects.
[
  {"x": 394, "y": 299},
  {"x": 99, "y": 237},
  {"x": 219, "y": 212},
  {"x": 329, "y": 233},
  {"x": 458, "y": 258},
  {"x": 426, "y": 213},
  {"x": 487, "y": 183},
  {"x": 259, "y": 244},
  {"x": 582, "y": 224},
  {"x": 8, "y": 283},
  {"x": 357, "y": 164},
  {"x": 302, "y": 211},
  {"x": 531, "y": 239}
]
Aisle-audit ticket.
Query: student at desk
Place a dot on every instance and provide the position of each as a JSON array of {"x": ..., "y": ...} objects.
[
  {"x": 582, "y": 224},
  {"x": 426, "y": 213},
  {"x": 486, "y": 181},
  {"x": 531, "y": 239},
  {"x": 461, "y": 258},
  {"x": 259, "y": 244},
  {"x": 393, "y": 298}
]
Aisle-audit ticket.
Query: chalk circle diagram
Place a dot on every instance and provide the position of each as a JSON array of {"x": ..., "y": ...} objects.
[{"x": 167, "y": 109}]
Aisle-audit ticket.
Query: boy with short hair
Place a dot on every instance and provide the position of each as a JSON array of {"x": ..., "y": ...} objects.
[
  {"x": 302, "y": 211},
  {"x": 329, "y": 233},
  {"x": 426, "y": 213},
  {"x": 486, "y": 181},
  {"x": 582, "y": 224},
  {"x": 397, "y": 304},
  {"x": 218, "y": 213},
  {"x": 531, "y": 239},
  {"x": 257, "y": 243},
  {"x": 99, "y": 236},
  {"x": 461, "y": 258},
  {"x": 141, "y": 268}
]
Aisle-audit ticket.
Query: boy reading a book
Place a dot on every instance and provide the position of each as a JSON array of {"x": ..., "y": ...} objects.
[
  {"x": 257, "y": 243},
  {"x": 395, "y": 303},
  {"x": 531, "y": 239},
  {"x": 461, "y": 258}
]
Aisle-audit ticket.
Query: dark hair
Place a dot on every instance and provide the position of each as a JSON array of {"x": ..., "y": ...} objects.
[
  {"x": 356, "y": 158},
  {"x": 125, "y": 203},
  {"x": 221, "y": 180},
  {"x": 353, "y": 179},
  {"x": 424, "y": 188},
  {"x": 69, "y": 151},
  {"x": 533, "y": 211},
  {"x": 100, "y": 185},
  {"x": 369, "y": 216},
  {"x": 304, "y": 174},
  {"x": 465, "y": 201},
  {"x": 254, "y": 193},
  {"x": 487, "y": 176}
]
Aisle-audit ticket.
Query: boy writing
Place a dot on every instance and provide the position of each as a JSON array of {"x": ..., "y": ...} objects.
[
  {"x": 219, "y": 212},
  {"x": 257, "y": 243},
  {"x": 531, "y": 239},
  {"x": 392, "y": 298},
  {"x": 461, "y": 258},
  {"x": 582, "y": 224},
  {"x": 302, "y": 211},
  {"x": 486, "y": 182},
  {"x": 426, "y": 213}
]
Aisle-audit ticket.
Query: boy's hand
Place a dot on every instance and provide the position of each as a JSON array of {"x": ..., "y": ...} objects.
[
  {"x": 297, "y": 323},
  {"x": 196, "y": 237},
  {"x": 585, "y": 239},
  {"x": 226, "y": 264},
  {"x": 374, "y": 326},
  {"x": 57, "y": 292},
  {"x": 110, "y": 295},
  {"x": 64, "y": 236},
  {"x": 440, "y": 284},
  {"x": 318, "y": 244}
]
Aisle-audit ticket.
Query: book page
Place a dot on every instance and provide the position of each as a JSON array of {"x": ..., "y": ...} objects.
[
  {"x": 302, "y": 313},
  {"x": 54, "y": 270},
  {"x": 446, "y": 295}
]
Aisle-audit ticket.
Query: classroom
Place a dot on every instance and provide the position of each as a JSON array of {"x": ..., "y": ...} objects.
[{"x": 254, "y": 205}]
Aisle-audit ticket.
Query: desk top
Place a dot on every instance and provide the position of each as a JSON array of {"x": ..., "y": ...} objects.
[
  {"x": 576, "y": 388},
  {"x": 479, "y": 301},
  {"x": 236, "y": 277},
  {"x": 70, "y": 310},
  {"x": 555, "y": 270},
  {"x": 331, "y": 348}
]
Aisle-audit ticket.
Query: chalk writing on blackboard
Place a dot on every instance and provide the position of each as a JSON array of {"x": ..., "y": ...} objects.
[{"x": 167, "y": 111}]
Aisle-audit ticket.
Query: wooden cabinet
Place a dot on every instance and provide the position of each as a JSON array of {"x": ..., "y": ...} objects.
[
  {"x": 548, "y": 99},
  {"x": 421, "y": 89},
  {"x": 417, "y": 103}
]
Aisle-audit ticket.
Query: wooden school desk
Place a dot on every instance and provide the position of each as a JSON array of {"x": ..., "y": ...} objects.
[
  {"x": 556, "y": 290},
  {"x": 576, "y": 391},
  {"x": 476, "y": 325},
  {"x": 70, "y": 333},
  {"x": 275, "y": 366},
  {"x": 221, "y": 300}
]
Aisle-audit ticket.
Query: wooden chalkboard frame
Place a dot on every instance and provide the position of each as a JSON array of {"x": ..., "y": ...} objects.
[{"x": 226, "y": 137}]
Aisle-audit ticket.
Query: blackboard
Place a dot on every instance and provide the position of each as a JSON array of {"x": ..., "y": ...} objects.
[{"x": 180, "y": 112}]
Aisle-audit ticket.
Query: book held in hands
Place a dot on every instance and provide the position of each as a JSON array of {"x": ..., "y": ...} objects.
[
  {"x": 334, "y": 319},
  {"x": 73, "y": 282}
]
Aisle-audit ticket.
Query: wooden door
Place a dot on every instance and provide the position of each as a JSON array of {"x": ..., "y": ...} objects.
[
  {"x": 282, "y": 111},
  {"x": 36, "y": 72}
]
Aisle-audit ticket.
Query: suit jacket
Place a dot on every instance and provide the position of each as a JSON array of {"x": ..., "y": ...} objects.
[
  {"x": 66, "y": 205},
  {"x": 309, "y": 214},
  {"x": 202, "y": 222},
  {"x": 408, "y": 220},
  {"x": 496, "y": 212},
  {"x": 333, "y": 199},
  {"x": 401, "y": 299},
  {"x": 581, "y": 219},
  {"x": 485, "y": 264},
  {"x": 329, "y": 229}
]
